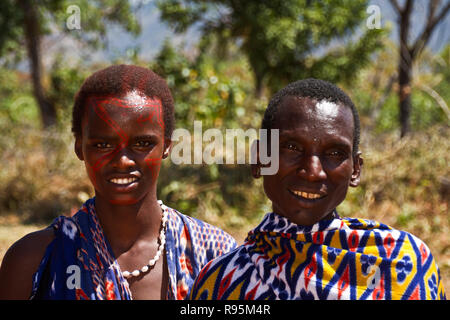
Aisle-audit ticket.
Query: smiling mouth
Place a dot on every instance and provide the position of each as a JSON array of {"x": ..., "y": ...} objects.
[
  {"x": 123, "y": 181},
  {"x": 307, "y": 195}
]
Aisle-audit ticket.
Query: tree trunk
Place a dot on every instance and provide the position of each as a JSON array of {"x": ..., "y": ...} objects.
[
  {"x": 33, "y": 41},
  {"x": 404, "y": 95},
  {"x": 404, "y": 70}
]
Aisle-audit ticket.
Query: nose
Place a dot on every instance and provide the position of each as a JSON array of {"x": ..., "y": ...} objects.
[
  {"x": 311, "y": 169},
  {"x": 122, "y": 160}
]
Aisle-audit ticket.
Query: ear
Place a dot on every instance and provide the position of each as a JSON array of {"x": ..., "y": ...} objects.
[
  {"x": 78, "y": 147},
  {"x": 167, "y": 148},
  {"x": 357, "y": 166},
  {"x": 255, "y": 163}
]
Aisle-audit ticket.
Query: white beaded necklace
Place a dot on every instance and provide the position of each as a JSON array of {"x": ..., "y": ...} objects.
[{"x": 162, "y": 241}]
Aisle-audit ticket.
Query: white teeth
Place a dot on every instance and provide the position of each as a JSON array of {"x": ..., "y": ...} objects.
[
  {"x": 307, "y": 195},
  {"x": 123, "y": 180}
]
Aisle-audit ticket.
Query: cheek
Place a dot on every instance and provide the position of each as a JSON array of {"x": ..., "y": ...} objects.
[
  {"x": 91, "y": 174},
  {"x": 154, "y": 159},
  {"x": 272, "y": 187},
  {"x": 286, "y": 164},
  {"x": 153, "y": 165},
  {"x": 340, "y": 179},
  {"x": 273, "y": 184},
  {"x": 94, "y": 164},
  {"x": 288, "y": 158},
  {"x": 340, "y": 174}
]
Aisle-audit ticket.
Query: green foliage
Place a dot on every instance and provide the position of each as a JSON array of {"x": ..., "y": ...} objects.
[
  {"x": 39, "y": 168},
  {"x": 26, "y": 22},
  {"x": 214, "y": 91},
  {"x": 388, "y": 117},
  {"x": 95, "y": 16},
  {"x": 10, "y": 19},
  {"x": 280, "y": 38},
  {"x": 441, "y": 67},
  {"x": 17, "y": 104},
  {"x": 64, "y": 82},
  {"x": 217, "y": 92},
  {"x": 425, "y": 112}
]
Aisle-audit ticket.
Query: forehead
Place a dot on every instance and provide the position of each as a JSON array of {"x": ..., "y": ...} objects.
[
  {"x": 131, "y": 110},
  {"x": 318, "y": 116}
]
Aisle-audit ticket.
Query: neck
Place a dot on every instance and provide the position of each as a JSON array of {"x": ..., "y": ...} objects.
[{"x": 124, "y": 225}]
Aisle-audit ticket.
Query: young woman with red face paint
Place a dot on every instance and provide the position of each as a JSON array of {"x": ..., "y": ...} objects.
[
  {"x": 303, "y": 249},
  {"x": 123, "y": 243}
]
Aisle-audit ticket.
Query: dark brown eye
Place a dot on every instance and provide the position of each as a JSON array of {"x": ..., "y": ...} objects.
[
  {"x": 103, "y": 145},
  {"x": 143, "y": 144},
  {"x": 337, "y": 154},
  {"x": 291, "y": 146}
]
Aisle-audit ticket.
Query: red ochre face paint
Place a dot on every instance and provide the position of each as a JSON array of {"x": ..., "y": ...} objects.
[{"x": 123, "y": 140}]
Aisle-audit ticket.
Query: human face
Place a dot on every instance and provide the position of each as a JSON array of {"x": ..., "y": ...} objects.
[
  {"x": 122, "y": 145},
  {"x": 316, "y": 164}
]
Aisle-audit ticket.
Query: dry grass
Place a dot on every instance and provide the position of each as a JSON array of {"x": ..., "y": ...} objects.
[{"x": 11, "y": 230}]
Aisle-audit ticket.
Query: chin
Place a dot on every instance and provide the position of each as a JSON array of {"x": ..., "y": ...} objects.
[
  {"x": 124, "y": 202},
  {"x": 304, "y": 218},
  {"x": 125, "y": 199}
]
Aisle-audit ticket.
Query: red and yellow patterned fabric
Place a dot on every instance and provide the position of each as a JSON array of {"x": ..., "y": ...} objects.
[{"x": 341, "y": 258}]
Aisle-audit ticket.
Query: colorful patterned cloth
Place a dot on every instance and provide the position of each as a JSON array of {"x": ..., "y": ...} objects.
[
  {"x": 340, "y": 258},
  {"x": 79, "y": 263}
]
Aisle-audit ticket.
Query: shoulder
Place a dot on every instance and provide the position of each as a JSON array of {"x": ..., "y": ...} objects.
[
  {"x": 229, "y": 265},
  {"x": 382, "y": 229},
  {"x": 393, "y": 242},
  {"x": 237, "y": 257},
  {"x": 20, "y": 263},
  {"x": 365, "y": 224}
]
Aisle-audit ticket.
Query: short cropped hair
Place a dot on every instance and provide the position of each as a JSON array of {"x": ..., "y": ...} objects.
[
  {"x": 118, "y": 80},
  {"x": 314, "y": 89}
]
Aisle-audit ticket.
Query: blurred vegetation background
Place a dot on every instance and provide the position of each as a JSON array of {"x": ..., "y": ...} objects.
[{"x": 246, "y": 51}]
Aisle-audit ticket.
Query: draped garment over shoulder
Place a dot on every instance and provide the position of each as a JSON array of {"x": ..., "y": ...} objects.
[
  {"x": 341, "y": 258},
  {"x": 79, "y": 263}
]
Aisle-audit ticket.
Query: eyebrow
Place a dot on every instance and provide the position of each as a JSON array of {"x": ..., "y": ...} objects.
[
  {"x": 95, "y": 137},
  {"x": 145, "y": 137},
  {"x": 333, "y": 141},
  {"x": 340, "y": 145},
  {"x": 115, "y": 137}
]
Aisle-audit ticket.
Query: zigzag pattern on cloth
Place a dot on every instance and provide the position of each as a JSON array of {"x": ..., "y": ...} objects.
[{"x": 344, "y": 258}]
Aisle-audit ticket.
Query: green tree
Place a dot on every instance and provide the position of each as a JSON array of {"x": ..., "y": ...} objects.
[
  {"x": 218, "y": 91},
  {"x": 283, "y": 40},
  {"x": 206, "y": 88},
  {"x": 23, "y": 24}
]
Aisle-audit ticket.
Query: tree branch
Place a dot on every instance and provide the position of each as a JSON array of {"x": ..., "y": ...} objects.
[
  {"x": 439, "y": 100},
  {"x": 431, "y": 24},
  {"x": 394, "y": 3},
  {"x": 405, "y": 50},
  {"x": 432, "y": 6}
]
